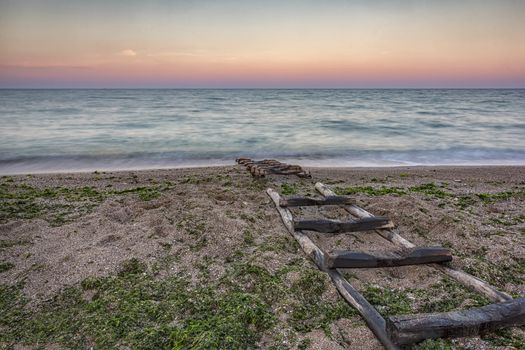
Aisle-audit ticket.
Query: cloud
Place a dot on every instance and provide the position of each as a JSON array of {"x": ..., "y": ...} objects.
[
  {"x": 128, "y": 53},
  {"x": 178, "y": 54}
]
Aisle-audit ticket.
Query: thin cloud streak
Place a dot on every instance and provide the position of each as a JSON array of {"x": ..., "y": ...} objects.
[{"x": 128, "y": 53}]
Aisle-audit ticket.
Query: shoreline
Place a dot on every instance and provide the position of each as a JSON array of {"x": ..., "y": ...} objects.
[{"x": 206, "y": 166}]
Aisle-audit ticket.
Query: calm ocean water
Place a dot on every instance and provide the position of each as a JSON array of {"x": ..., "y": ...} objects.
[{"x": 72, "y": 130}]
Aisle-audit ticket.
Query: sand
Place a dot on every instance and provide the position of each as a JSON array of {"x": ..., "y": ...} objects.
[{"x": 209, "y": 213}]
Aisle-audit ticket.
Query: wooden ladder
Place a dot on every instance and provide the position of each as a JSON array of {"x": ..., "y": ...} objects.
[
  {"x": 396, "y": 331},
  {"x": 265, "y": 167}
]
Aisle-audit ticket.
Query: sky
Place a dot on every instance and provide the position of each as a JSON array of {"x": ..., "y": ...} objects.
[{"x": 262, "y": 44}]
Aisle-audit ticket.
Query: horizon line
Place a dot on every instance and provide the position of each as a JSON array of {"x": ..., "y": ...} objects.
[{"x": 263, "y": 88}]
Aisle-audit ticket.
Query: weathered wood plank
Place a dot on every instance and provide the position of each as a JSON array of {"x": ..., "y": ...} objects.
[
  {"x": 332, "y": 226},
  {"x": 292, "y": 170},
  {"x": 372, "y": 318},
  {"x": 305, "y": 201},
  {"x": 423, "y": 255},
  {"x": 408, "y": 329},
  {"x": 393, "y": 236}
]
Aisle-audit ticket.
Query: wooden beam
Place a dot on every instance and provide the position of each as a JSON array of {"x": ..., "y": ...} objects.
[
  {"x": 243, "y": 161},
  {"x": 408, "y": 329},
  {"x": 372, "y": 318},
  {"x": 332, "y": 226},
  {"x": 305, "y": 201},
  {"x": 393, "y": 236},
  {"x": 350, "y": 259}
]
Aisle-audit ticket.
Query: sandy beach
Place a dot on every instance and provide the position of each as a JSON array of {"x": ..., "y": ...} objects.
[{"x": 199, "y": 257}]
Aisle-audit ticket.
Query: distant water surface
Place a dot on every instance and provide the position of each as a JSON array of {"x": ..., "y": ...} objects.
[{"x": 75, "y": 130}]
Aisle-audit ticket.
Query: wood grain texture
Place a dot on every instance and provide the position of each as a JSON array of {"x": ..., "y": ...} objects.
[
  {"x": 350, "y": 259},
  {"x": 408, "y": 329},
  {"x": 332, "y": 226},
  {"x": 306, "y": 201}
]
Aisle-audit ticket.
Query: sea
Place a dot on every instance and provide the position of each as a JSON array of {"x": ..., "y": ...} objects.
[{"x": 69, "y": 130}]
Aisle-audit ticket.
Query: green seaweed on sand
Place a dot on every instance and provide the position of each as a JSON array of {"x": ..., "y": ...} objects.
[
  {"x": 428, "y": 189},
  {"x": 388, "y": 301},
  {"x": 369, "y": 190},
  {"x": 59, "y": 205},
  {"x": 501, "y": 196},
  {"x": 506, "y": 338},
  {"x": 289, "y": 189},
  {"x": 497, "y": 274},
  {"x": 7, "y": 243},
  {"x": 435, "y": 344},
  {"x": 5, "y": 266},
  {"x": 137, "y": 308},
  {"x": 443, "y": 296}
]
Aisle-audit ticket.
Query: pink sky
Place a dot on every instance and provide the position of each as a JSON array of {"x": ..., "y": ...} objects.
[{"x": 55, "y": 43}]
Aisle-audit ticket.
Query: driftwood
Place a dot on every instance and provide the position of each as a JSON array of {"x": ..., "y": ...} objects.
[
  {"x": 332, "y": 226},
  {"x": 372, "y": 318},
  {"x": 305, "y": 201},
  {"x": 408, "y": 329},
  {"x": 349, "y": 259},
  {"x": 393, "y": 236},
  {"x": 270, "y": 166}
]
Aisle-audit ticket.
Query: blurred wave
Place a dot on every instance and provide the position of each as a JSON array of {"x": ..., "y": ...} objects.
[{"x": 83, "y": 130}]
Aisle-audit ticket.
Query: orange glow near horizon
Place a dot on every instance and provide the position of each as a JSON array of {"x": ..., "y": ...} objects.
[{"x": 236, "y": 44}]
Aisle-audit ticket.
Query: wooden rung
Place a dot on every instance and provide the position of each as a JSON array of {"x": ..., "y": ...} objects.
[
  {"x": 270, "y": 162},
  {"x": 282, "y": 170},
  {"x": 416, "y": 256},
  {"x": 331, "y": 226},
  {"x": 305, "y": 201},
  {"x": 266, "y": 166},
  {"x": 299, "y": 173},
  {"x": 243, "y": 160},
  {"x": 408, "y": 329}
]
